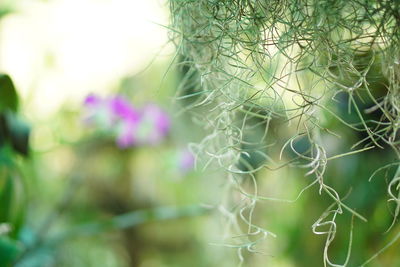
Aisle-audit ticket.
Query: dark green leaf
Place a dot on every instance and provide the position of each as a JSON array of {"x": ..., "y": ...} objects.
[
  {"x": 3, "y": 130},
  {"x": 9, "y": 250},
  {"x": 18, "y": 221},
  {"x": 18, "y": 133},
  {"x": 8, "y": 94},
  {"x": 6, "y": 185}
]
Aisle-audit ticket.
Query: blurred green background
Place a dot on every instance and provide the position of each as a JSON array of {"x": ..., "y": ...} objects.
[{"x": 74, "y": 198}]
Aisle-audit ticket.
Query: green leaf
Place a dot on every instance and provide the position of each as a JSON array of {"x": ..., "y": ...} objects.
[
  {"x": 6, "y": 156},
  {"x": 5, "y": 198},
  {"x": 8, "y": 94},
  {"x": 18, "y": 133},
  {"x": 6, "y": 7},
  {"x": 9, "y": 250},
  {"x": 3, "y": 130},
  {"x": 4, "y": 12}
]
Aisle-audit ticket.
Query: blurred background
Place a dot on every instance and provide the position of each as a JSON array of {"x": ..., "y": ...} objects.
[
  {"x": 108, "y": 177},
  {"x": 58, "y": 203}
]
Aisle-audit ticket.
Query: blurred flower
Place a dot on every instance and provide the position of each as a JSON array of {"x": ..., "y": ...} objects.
[
  {"x": 92, "y": 100},
  {"x": 130, "y": 126},
  {"x": 122, "y": 109},
  {"x": 97, "y": 112},
  {"x": 178, "y": 162},
  {"x": 153, "y": 127},
  {"x": 186, "y": 161}
]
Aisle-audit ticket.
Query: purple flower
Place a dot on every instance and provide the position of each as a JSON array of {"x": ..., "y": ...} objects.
[
  {"x": 130, "y": 126},
  {"x": 92, "y": 100},
  {"x": 153, "y": 126},
  {"x": 96, "y": 112},
  {"x": 126, "y": 136},
  {"x": 122, "y": 109}
]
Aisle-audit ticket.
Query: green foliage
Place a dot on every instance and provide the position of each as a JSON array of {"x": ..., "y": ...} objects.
[
  {"x": 8, "y": 94},
  {"x": 9, "y": 250},
  {"x": 17, "y": 132},
  {"x": 4, "y": 10},
  {"x": 13, "y": 130},
  {"x": 6, "y": 199},
  {"x": 14, "y": 139}
]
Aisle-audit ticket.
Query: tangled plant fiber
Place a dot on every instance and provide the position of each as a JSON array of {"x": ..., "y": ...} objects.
[{"x": 320, "y": 68}]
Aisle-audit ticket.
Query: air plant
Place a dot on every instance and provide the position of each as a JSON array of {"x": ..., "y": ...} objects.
[{"x": 319, "y": 80}]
